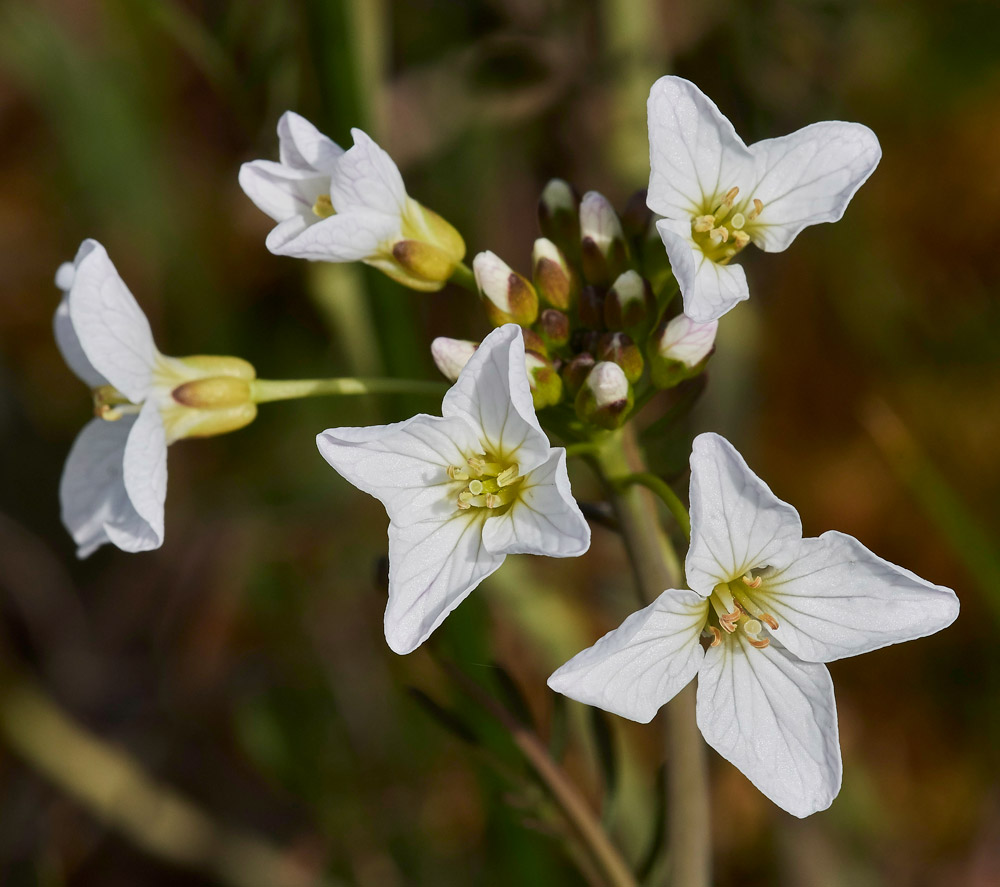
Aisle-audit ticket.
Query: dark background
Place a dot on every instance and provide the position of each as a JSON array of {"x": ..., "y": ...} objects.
[{"x": 243, "y": 663}]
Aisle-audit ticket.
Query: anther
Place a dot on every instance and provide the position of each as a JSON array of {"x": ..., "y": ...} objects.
[
  {"x": 716, "y": 636},
  {"x": 750, "y": 581},
  {"x": 456, "y": 472},
  {"x": 477, "y": 465},
  {"x": 703, "y": 223},
  {"x": 758, "y": 208},
  {"x": 107, "y": 412},
  {"x": 465, "y": 506},
  {"x": 759, "y": 643},
  {"x": 506, "y": 477},
  {"x": 719, "y": 235},
  {"x": 768, "y": 620},
  {"x": 493, "y": 500},
  {"x": 323, "y": 207},
  {"x": 741, "y": 238}
]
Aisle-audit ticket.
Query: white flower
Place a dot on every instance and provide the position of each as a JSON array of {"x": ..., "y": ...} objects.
[
  {"x": 115, "y": 480},
  {"x": 770, "y": 607},
  {"x": 345, "y": 206},
  {"x": 462, "y": 490},
  {"x": 716, "y": 194}
]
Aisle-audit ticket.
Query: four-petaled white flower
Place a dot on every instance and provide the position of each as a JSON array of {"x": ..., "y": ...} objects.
[
  {"x": 462, "y": 490},
  {"x": 115, "y": 480},
  {"x": 716, "y": 194},
  {"x": 765, "y": 609},
  {"x": 334, "y": 205}
]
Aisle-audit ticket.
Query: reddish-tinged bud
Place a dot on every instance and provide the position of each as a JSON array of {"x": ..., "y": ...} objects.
[
  {"x": 559, "y": 215},
  {"x": 637, "y": 216},
  {"x": 507, "y": 296},
  {"x": 546, "y": 386},
  {"x": 534, "y": 342},
  {"x": 575, "y": 373},
  {"x": 554, "y": 279},
  {"x": 606, "y": 397},
  {"x": 620, "y": 349},
  {"x": 592, "y": 308},
  {"x": 629, "y": 303},
  {"x": 604, "y": 253},
  {"x": 554, "y": 327}
]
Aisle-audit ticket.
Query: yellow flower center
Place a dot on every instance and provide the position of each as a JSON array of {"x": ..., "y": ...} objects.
[
  {"x": 323, "y": 207},
  {"x": 720, "y": 232},
  {"x": 489, "y": 483},
  {"x": 736, "y": 607}
]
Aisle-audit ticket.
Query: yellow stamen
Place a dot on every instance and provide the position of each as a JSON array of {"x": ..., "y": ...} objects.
[
  {"x": 758, "y": 208},
  {"x": 703, "y": 223},
  {"x": 759, "y": 643},
  {"x": 323, "y": 207},
  {"x": 456, "y": 472},
  {"x": 716, "y": 636}
]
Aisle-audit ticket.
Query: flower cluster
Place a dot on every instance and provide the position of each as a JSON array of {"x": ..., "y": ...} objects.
[{"x": 584, "y": 339}]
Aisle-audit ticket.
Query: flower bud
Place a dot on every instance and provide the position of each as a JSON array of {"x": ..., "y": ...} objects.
[
  {"x": 629, "y": 303},
  {"x": 680, "y": 349},
  {"x": 534, "y": 342},
  {"x": 592, "y": 308},
  {"x": 604, "y": 252},
  {"x": 559, "y": 215},
  {"x": 637, "y": 216},
  {"x": 451, "y": 355},
  {"x": 546, "y": 386},
  {"x": 606, "y": 397},
  {"x": 554, "y": 327},
  {"x": 554, "y": 279},
  {"x": 620, "y": 349},
  {"x": 507, "y": 296},
  {"x": 426, "y": 256},
  {"x": 575, "y": 373}
]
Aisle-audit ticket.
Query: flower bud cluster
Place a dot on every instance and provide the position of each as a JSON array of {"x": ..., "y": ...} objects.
[{"x": 596, "y": 331}]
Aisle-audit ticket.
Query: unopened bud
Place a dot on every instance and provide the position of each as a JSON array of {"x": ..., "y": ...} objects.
[
  {"x": 559, "y": 215},
  {"x": 507, "y": 296},
  {"x": 428, "y": 252},
  {"x": 546, "y": 386},
  {"x": 606, "y": 397},
  {"x": 604, "y": 252},
  {"x": 534, "y": 342},
  {"x": 680, "y": 349},
  {"x": 592, "y": 307},
  {"x": 620, "y": 349},
  {"x": 575, "y": 373},
  {"x": 636, "y": 217},
  {"x": 555, "y": 281},
  {"x": 554, "y": 327},
  {"x": 451, "y": 355},
  {"x": 629, "y": 303}
]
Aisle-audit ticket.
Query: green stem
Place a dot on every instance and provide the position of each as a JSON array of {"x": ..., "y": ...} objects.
[
  {"x": 463, "y": 276},
  {"x": 266, "y": 390},
  {"x": 655, "y": 568},
  {"x": 662, "y": 489}
]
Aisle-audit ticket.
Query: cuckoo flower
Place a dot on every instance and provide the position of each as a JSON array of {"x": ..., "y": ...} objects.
[
  {"x": 333, "y": 205},
  {"x": 717, "y": 194},
  {"x": 765, "y": 609},
  {"x": 114, "y": 483},
  {"x": 462, "y": 490}
]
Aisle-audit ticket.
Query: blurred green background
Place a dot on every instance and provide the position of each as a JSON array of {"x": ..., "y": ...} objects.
[{"x": 243, "y": 664}]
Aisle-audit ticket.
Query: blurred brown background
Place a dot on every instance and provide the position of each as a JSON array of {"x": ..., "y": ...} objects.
[{"x": 243, "y": 663}]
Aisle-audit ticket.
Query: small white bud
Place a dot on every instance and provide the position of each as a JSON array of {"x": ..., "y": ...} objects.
[
  {"x": 451, "y": 355},
  {"x": 686, "y": 341}
]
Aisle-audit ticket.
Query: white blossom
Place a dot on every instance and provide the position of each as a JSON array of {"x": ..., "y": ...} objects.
[
  {"x": 115, "y": 480},
  {"x": 334, "y": 205},
  {"x": 462, "y": 490},
  {"x": 765, "y": 609},
  {"x": 717, "y": 194}
]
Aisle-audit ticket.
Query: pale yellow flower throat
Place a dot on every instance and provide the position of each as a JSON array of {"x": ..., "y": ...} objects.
[
  {"x": 491, "y": 484},
  {"x": 720, "y": 232},
  {"x": 737, "y": 611}
]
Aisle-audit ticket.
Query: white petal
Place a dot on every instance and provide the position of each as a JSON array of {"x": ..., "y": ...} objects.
[
  {"x": 775, "y": 718},
  {"x": 281, "y": 191},
  {"x": 687, "y": 341},
  {"x": 365, "y": 177},
  {"x": 694, "y": 152},
  {"x": 403, "y": 465},
  {"x": 737, "y": 523},
  {"x": 545, "y": 519},
  {"x": 709, "y": 289},
  {"x": 145, "y": 468},
  {"x": 809, "y": 177},
  {"x": 433, "y": 565},
  {"x": 838, "y": 599},
  {"x": 72, "y": 352},
  {"x": 352, "y": 237},
  {"x": 113, "y": 332},
  {"x": 493, "y": 395},
  {"x": 641, "y": 665},
  {"x": 302, "y": 146},
  {"x": 92, "y": 491}
]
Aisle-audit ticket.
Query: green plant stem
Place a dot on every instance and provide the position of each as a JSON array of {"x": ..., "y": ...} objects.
[
  {"x": 267, "y": 390},
  {"x": 115, "y": 789},
  {"x": 580, "y": 816},
  {"x": 653, "y": 566},
  {"x": 662, "y": 489},
  {"x": 462, "y": 276}
]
